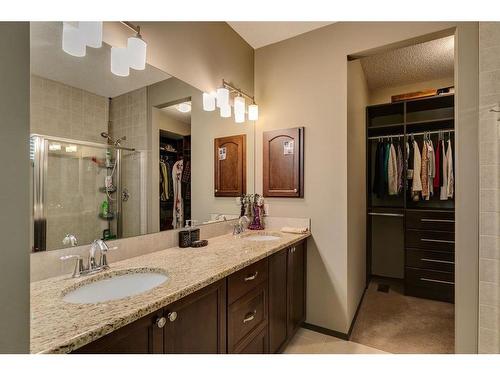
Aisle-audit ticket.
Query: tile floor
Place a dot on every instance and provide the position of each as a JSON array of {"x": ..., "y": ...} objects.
[{"x": 309, "y": 342}]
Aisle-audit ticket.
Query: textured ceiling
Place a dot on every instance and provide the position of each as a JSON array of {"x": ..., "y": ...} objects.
[
  {"x": 91, "y": 72},
  {"x": 421, "y": 62},
  {"x": 260, "y": 34}
]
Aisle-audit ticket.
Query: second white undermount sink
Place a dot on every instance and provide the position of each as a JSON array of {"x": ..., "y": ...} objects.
[
  {"x": 115, "y": 287},
  {"x": 261, "y": 237}
]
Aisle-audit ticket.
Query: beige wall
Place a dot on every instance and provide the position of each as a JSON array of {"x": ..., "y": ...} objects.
[
  {"x": 357, "y": 100},
  {"x": 303, "y": 82},
  {"x": 489, "y": 138},
  {"x": 199, "y": 53},
  {"x": 14, "y": 190},
  {"x": 383, "y": 95},
  {"x": 164, "y": 122}
]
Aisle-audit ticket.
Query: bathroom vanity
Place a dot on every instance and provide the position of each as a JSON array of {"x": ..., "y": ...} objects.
[{"x": 236, "y": 295}]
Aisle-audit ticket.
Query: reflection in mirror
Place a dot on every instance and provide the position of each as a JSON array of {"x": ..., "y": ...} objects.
[{"x": 116, "y": 157}]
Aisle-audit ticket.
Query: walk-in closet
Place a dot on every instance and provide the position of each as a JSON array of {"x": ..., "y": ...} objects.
[{"x": 410, "y": 199}]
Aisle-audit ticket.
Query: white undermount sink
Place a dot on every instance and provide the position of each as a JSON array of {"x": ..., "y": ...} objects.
[
  {"x": 261, "y": 237},
  {"x": 116, "y": 287}
]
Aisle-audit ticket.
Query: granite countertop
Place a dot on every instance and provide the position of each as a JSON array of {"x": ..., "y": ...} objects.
[{"x": 61, "y": 327}]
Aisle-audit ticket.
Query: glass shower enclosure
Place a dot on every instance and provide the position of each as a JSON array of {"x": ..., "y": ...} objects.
[{"x": 85, "y": 189}]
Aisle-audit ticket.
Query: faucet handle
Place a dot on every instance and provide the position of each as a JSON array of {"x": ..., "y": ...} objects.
[{"x": 78, "y": 264}]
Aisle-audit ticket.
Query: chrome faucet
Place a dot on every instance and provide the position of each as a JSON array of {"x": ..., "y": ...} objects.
[
  {"x": 93, "y": 266},
  {"x": 70, "y": 239},
  {"x": 240, "y": 226}
]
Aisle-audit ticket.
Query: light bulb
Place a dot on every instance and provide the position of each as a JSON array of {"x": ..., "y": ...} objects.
[
  {"x": 239, "y": 109},
  {"x": 222, "y": 97},
  {"x": 253, "y": 112},
  {"x": 91, "y": 33},
  {"x": 137, "y": 52},
  {"x": 209, "y": 101},
  {"x": 184, "y": 107},
  {"x": 72, "y": 40},
  {"x": 225, "y": 111},
  {"x": 119, "y": 61}
]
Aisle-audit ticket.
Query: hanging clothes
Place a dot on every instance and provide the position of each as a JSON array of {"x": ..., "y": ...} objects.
[
  {"x": 164, "y": 176},
  {"x": 379, "y": 187},
  {"x": 449, "y": 171},
  {"x": 178, "y": 209},
  {"x": 443, "y": 194},
  {"x": 392, "y": 171},
  {"x": 424, "y": 172},
  {"x": 385, "y": 174},
  {"x": 431, "y": 168},
  {"x": 437, "y": 166},
  {"x": 416, "y": 186},
  {"x": 399, "y": 162}
]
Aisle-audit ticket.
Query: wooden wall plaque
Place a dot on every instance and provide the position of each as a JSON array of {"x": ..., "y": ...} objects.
[
  {"x": 283, "y": 163},
  {"x": 230, "y": 175}
]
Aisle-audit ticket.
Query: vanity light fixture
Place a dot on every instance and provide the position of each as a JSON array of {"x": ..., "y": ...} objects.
[
  {"x": 71, "y": 148},
  {"x": 54, "y": 147},
  {"x": 222, "y": 99},
  {"x": 209, "y": 101},
  {"x": 133, "y": 56},
  {"x": 78, "y": 35},
  {"x": 120, "y": 65}
]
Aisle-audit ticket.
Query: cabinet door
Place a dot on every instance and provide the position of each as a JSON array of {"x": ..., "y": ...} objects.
[
  {"x": 197, "y": 323},
  {"x": 296, "y": 287},
  {"x": 283, "y": 163},
  {"x": 258, "y": 345},
  {"x": 278, "y": 300},
  {"x": 143, "y": 336},
  {"x": 230, "y": 174}
]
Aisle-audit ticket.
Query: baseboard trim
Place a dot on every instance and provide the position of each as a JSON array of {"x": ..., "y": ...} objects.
[{"x": 333, "y": 333}]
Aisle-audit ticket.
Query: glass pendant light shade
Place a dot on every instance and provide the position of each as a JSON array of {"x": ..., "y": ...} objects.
[
  {"x": 209, "y": 101},
  {"x": 225, "y": 111},
  {"x": 253, "y": 112},
  {"x": 137, "y": 52},
  {"x": 91, "y": 33},
  {"x": 120, "y": 62},
  {"x": 72, "y": 40},
  {"x": 239, "y": 109},
  {"x": 222, "y": 97},
  {"x": 184, "y": 107}
]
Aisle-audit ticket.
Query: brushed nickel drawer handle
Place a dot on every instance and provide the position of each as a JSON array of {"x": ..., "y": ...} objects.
[
  {"x": 438, "y": 220},
  {"x": 436, "y": 261},
  {"x": 250, "y": 278},
  {"x": 432, "y": 240},
  {"x": 249, "y": 317},
  {"x": 437, "y": 281}
]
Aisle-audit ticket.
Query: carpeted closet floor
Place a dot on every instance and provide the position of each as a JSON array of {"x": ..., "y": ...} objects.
[{"x": 396, "y": 323}]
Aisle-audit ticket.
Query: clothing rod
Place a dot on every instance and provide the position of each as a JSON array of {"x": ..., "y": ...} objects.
[{"x": 409, "y": 134}]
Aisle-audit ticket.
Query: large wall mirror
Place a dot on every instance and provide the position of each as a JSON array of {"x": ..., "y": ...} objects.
[{"x": 116, "y": 157}]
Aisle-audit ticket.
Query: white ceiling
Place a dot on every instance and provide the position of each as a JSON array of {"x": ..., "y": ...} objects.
[
  {"x": 91, "y": 72},
  {"x": 173, "y": 112},
  {"x": 421, "y": 62},
  {"x": 260, "y": 34}
]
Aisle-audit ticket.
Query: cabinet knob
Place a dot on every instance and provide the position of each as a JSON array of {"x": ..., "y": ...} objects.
[
  {"x": 294, "y": 190},
  {"x": 172, "y": 316},
  {"x": 216, "y": 190},
  {"x": 160, "y": 322}
]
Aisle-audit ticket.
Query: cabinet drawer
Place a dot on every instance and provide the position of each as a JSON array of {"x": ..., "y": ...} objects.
[
  {"x": 430, "y": 284},
  {"x": 246, "y": 315},
  {"x": 241, "y": 282},
  {"x": 430, "y": 220},
  {"x": 431, "y": 240},
  {"x": 255, "y": 345},
  {"x": 431, "y": 260}
]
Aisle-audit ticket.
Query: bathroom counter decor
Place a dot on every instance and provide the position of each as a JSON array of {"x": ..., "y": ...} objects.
[{"x": 61, "y": 327}]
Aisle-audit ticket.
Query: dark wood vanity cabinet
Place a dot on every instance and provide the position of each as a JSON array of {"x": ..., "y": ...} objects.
[
  {"x": 287, "y": 294},
  {"x": 255, "y": 310},
  {"x": 283, "y": 163},
  {"x": 230, "y": 176}
]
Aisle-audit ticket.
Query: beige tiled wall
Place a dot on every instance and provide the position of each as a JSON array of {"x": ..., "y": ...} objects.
[{"x": 489, "y": 250}]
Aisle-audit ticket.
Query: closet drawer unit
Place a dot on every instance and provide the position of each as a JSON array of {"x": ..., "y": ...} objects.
[
  {"x": 241, "y": 282},
  {"x": 431, "y": 240},
  {"x": 430, "y": 220},
  {"x": 431, "y": 260},
  {"x": 246, "y": 316},
  {"x": 430, "y": 284}
]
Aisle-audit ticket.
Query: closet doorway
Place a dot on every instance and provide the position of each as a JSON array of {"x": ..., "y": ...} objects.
[{"x": 409, "y": 107}]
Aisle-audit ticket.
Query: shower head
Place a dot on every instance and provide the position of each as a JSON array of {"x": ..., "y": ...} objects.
[
  {"x": 107, "y": 136},
  {"x": 111, "y": 140}
]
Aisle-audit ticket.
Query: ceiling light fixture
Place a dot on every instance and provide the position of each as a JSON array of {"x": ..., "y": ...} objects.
[
  {"x": 184, "y": 107},
  {"x": 133, "y": 56},
  {"x": 222, "y": 98},
  {"x": 119, "y": 62},
  {"x": 78, "y": 35}
]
